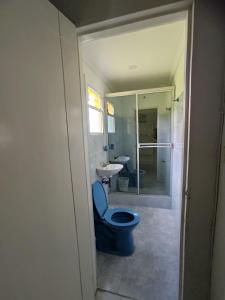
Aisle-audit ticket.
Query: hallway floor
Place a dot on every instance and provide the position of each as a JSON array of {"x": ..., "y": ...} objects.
[{"x": 151, "y": 273}]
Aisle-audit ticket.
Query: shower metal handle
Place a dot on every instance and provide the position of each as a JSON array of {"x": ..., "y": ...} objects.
[{"x": 154, "y": 145}]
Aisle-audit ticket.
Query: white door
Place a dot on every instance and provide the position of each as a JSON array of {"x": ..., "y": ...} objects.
[
  {"x": 80, "y": 180},
  {"x": 218, "y": 274},
  {"x": 39, "y": 249}
]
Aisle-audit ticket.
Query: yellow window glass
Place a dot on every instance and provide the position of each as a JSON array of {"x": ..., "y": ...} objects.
[
  {"x": 94, "y": 99},
  {"x": 110, "y": 108}
]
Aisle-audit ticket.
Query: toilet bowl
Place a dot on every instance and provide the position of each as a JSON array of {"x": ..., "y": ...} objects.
[{"x": 113, "y": 226}]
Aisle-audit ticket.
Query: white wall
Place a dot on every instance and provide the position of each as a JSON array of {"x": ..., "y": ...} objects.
[
  {"x": 39, "y": 249},
  {"x": 179, "y": 74},
  {"x": 96, "y": 142},
  {"x": 178, "y": 121}
]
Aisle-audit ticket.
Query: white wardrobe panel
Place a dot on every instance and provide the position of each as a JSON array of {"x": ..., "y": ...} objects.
[
  {"x": 38, "y": 242},
  {"x": 83, "y": 207}
]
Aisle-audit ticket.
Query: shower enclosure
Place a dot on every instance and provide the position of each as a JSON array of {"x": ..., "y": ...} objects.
[{"x": 142, "y": 133}]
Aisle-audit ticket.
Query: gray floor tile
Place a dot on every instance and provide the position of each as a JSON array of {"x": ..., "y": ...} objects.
[{"x": 143, "y": 200}]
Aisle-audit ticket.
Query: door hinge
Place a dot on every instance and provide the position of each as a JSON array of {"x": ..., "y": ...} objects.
[{"x": 187, "y": 194}]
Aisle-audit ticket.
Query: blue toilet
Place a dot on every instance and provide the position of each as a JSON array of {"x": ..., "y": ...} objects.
[{"x": 113, "y": 227}]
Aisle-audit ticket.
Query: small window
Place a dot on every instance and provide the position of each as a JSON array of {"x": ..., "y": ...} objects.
[
  {"x": 111, "y": 124},
  {"x": 111, "y": 118},
  {"x": 95, "y": 112},
  {"x": 95, "y": 121}
]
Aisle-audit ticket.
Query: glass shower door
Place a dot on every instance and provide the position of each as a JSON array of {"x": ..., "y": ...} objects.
[{"x": 154, "y": 143}]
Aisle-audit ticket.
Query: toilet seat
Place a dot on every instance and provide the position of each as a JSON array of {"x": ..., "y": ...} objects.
[{"x": 121, "y": 217}]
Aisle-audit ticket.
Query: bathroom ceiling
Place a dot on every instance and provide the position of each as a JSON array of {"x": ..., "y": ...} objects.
[{"x": 137, "y": 60}]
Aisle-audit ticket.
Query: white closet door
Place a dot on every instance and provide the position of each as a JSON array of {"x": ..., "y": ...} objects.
[
  {"x": 38, "y": 242},
  {"x": 83, "y": 207}
]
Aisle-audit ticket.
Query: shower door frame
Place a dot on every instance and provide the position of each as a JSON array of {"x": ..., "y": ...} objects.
[{"x": 139, "y": 146}]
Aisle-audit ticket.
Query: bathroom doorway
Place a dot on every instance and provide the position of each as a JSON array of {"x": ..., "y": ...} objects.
[{"x": 138, "y": 111}]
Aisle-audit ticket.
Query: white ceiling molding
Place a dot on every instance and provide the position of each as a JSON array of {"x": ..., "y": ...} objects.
[{"x": 98, "y": 74}]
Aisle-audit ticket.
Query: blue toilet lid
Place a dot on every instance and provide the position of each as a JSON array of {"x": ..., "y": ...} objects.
[{"x": 99, "y": 198}]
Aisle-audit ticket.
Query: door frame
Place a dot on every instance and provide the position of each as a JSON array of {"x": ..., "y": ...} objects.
[{"x": 151, "y": 17}]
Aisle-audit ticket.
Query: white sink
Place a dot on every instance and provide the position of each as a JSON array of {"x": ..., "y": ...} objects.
[
  {"x": 122, "y": 159},
  {"x": 109, "y": 170}
]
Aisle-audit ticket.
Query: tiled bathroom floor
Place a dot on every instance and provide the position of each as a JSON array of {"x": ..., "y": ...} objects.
[
  {"x": 151, "y": 273},
  {"x": 127, "y": 199}
]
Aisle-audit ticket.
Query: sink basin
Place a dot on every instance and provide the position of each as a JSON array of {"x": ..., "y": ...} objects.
[
  {"x": 122, "y": 159},
  {"x": 109, "y": 170}
]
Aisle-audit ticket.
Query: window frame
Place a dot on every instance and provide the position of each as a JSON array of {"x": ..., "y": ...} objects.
[
  {"x": 101, "y": 110},
  {"x": 112, "y": 115}
]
